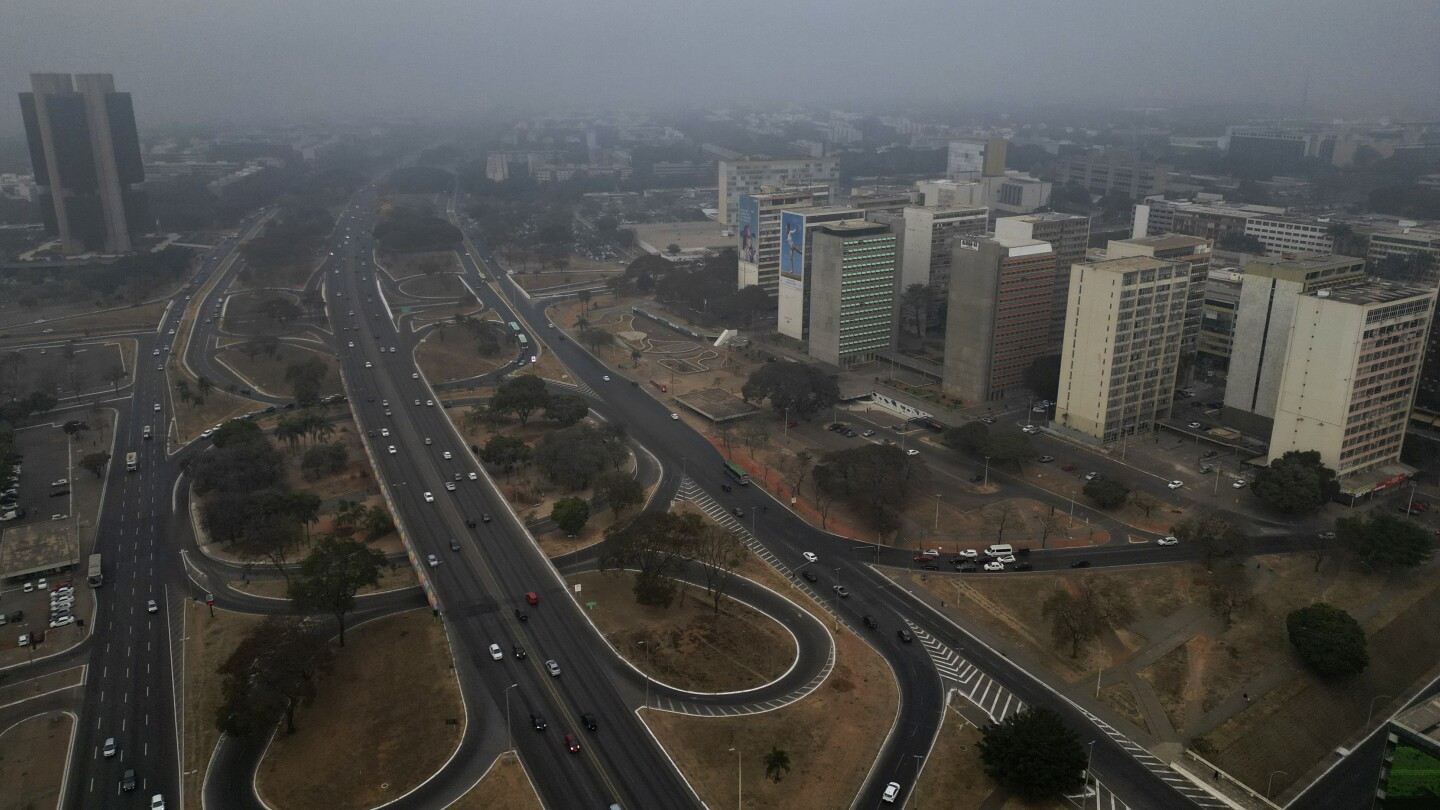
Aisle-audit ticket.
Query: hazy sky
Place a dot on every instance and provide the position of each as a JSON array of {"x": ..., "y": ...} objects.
[{"x": 229, "y": 60}]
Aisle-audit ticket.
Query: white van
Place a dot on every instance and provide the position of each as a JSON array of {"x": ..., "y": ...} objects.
[{"x": 999, "y": 550}]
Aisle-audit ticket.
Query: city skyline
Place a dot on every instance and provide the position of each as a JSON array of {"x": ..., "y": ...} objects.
[{"x": 268, "y": 61}]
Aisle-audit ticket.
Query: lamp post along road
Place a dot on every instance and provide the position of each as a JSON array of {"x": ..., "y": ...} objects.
[
  {"x": 739, "y": 780},
  {"x": 510, "y": 737}
]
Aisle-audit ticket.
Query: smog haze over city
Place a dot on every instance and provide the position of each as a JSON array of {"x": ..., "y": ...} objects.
[{"x": 232, "y": 61}]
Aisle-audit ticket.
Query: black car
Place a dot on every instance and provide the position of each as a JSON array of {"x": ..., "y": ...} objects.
[
  {"x": 1022, "y": 566},
  {"x": 470, "y": 523},
  {"x": 726, "y": 488},
  {"x": 809, "y": 575},
  {"x": 904, "y": 635},
  {"x": 1080, "y": 564},
  {"x": 975, "y": 479},
  {"x": 930, "y": 566},
  {"x": 454, "y": 544},
  {"x": 589, "y": 720},
  {"x": 127, "y": 782},
  {"x": 869, "y": 621},
  {"x": 968, "y": 567},
  {"x": 738, "y": 512},
  {"x": 521, "y": 615},
  {"x": 537, "y": 720},
  {"x": 518, "y": 651},
  {"x": 484, "y": 518}
]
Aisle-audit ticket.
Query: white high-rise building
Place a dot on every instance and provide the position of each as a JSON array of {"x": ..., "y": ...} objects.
[
  {"x": 741, "y": 177},
  {"x": 758, "y": 232}
]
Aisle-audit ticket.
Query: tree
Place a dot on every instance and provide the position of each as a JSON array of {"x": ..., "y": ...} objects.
[
  {"x": 1217, "y": 537},
  {"x": 674, "y": 250},
  {"x": 237, "y": 431},
  {"x": 1144, "y": 501},
  {"x": 596, "y": 338},
  {"x": 203, "y": 386},
  {"x": 113, "y": 375},
  {"x": 803, "y": 389},
  {"x": 1385, "y": 540},
  {"x": 1297, "y": 483},
  {"x": 270, "y": 674},
  {"x": 1230, "y": 589},
  {"x": 915, "y": 307},
  {"x": 1106, "y": 493},
  {"x": 1000, "y": 517},
  {"x": 74, "y": 427},
  {"x": 504, "y": 451},
  {"x": 570, "y": 514},
  {"x": 566, "y": 409},
  {"x": 777, "y": 763},
  {"x": 331, "y": 574},
  {"x": 654, "y": 544},
  {"x": 323, "y": 459},
  {"x": 95, "y": 463},
  {"x": 1008, "y": 446},
  {"x": 1034, "y": 754},
  {"x": 573, "y": 457},
  {"x": 1042, "y": 376},
  {"x": 1095, "y": 605},
  {"x": 619, "y": 490},
  {"x": 970, "y": 437},
  {"x": 1328, "y": 640},
  {"x": 876, "y": 480},
  {"x": 305, "y": 379},
  {"x": 521, "y": 396},
  {"x": 720, "y": 552},
  {"x": 797, "y": 467}
]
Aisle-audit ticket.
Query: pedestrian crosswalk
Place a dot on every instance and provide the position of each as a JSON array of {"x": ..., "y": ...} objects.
[
  {"x": 1154, "y": 764},
  {"x": 966, "y": 679}
]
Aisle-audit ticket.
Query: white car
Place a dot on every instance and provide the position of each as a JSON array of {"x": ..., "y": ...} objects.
[
  {"x": 392, "y": 449},
  {"x": 109, "y": 749},
  {"x": 1193, "y": 426},
  {"x": 446, "y": 455},
  {"x": 151, "y": 607},
  {"x": 385, "y": 431},
  {"x": 675, "y": 416},
  {"x": 994, "y": 566},
  {"x": 368, "y": 364},
  {"x": 1005, "y": 558},
  {"x": 428, "y": 441},
  {"x": 157, "y": 406},
  {"x": 449, "y": 486},
  {"x": 417, "y": 402},
  {"x": 1030, "y": 429},
  {"x": 969, "y": 553},
  {"x": 472, "y": 476},
  {"x": 496, "y": 653},
  {"x": 892, "y": 792},
  {"x": 810, "y": 557},
  {"x": 432, "y": 560},
  {"x": 414, "y": 375},
  {"x": 1175, "y": 484},
  {"x": 352, "y": 344},
  {"x": 1239, "y": 483},
  {"x": 429, "y": 497},
  {"x": 430, "y": 402},
  {"x": 606, "y": 378},
  {"x": 1168, "y": 541},
  {"x": 912, "y": 452}
]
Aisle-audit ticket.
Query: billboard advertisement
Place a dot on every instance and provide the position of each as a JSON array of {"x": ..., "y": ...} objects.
[
  {"x": 792, "y": 246},
  {"x": 749, "y": 221}
]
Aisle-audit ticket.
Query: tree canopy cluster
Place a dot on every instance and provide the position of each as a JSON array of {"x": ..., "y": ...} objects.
[
  {"x": 401, "y": 228},
  {"x": 875, "y": 480},
  {"x": 575, "y": 456},
  {"x": 1106, "y": 492},
  {"x": 1034, "y": 754},
  {"x": 271, "y": 673},
  {"x": 1386, "y": 540},
  {"x": 1328, "y": 640},
  {"x": 419, "y": 180},
  {"x": 801, "y": 389},
  {"x": 977, "y": 439},
  {"x": 1096, "y": 605},
  {"x": 1297, "y": 483},
  {"x": 306, "y": 378},
  {"x": 294, "y": 234},
  {"x": 656, "y": 544},
  {"x": 708, "y": 288},
  {"x": 130, "y": 279}
]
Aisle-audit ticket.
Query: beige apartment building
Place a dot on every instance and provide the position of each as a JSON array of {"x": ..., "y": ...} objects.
[
  {"x": 1122, "y": 344},
  {"x": 741, "y": 177},
  {"x": 1351, "y": 370}
]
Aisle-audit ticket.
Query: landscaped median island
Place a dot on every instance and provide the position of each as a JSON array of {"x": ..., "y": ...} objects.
[
  {"x": 687, "y": 645},
  {"x": 379, "y": 723},
  {"x": 821, "y": 747},
  {"x": 505, "y": 786},
  {"x": 211, "y": 635},
  {"x": 33, "y": 754},
  {"x": 954, "y": 775}
]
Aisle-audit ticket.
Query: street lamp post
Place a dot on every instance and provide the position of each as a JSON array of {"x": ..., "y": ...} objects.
[
  {"x": 937, "y": 512},
  {"x": 987, "y": 472},
  {"x": 647, "y": 672},
  {"x": 1090, "y": 775},
  {"x": 1372, "y": 707},
  {"x": 1271, "y": 781},
  {"x": 915, "y": 794},
  {"x": 739, "y": 780},
  {"x": 508, "y": 734},
  {"x": 753, "y": 509}
]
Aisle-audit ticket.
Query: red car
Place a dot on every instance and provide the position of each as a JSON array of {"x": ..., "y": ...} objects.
[
  {"x": 532, "y": 598},
  {"x": 925, "y": 558},
  {"x": 572, "y": 743},
  {"x": 1067, "y": 467}
]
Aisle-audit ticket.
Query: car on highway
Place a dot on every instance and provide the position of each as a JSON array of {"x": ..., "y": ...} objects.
[
  {"x": 869, "y": 621},
  {"x": 157, "y": 406},
  {"x": 472, "y": 476},
  {"x": 1067, "y": 467},
  {"x": 810, "y": 557},
  {"x": 605, "y": 377},
  {"x": 1193, "y": 426},
  {"x": 976, "y": 478},
  {"x": 485, "y": 518},
  {"x": 392, "y": 449},
  {"x": 588, "y": 720},
  {"x": 1005, "y": 558},
  {"x": 1046, "y": 459},
  {"x": 1080, "y": 564},
  {"x": 924, "y": 556},
  {"x": 994, "y": 565},
  {"x": 430, "y": 403},
  {"x": 449, "y": 486},
  {"x": 1327, "y": 535},
  {"x": 905, "y": 635},
  {"x": 572, "y": 743},
  {"x": 675, "y": 416},
  {"x": 1175, "y": 484},
  {"x": 432, "y": 560},
  {"x": 1168, "y": 541},
  {"x": 368, "y": 364},
  {"x": 518, "y": 652},
  {"x": 429, "y": 497},
  {"x": 1023, "y": 566},
  {"x": 446, "y": 455},
  {"x": 151, "y": 607},
  {"x": 496, "y": 654},
  {"x": 968, "y": 553},
  {"x": 128, "y": 781},
  {"x": 385, "y": 432},
  {"x": 537, "y": 721},
  {"x": 809, "y": 576},
  {"x": 912, "y": 452},
  {"x": 840, "y": 589},
  {"x": 552, "y": 667},
  {"x": 428, "y": 441},
  {"x": 1091, "y": 476},
  {"x": 109, "y": 749},
  {"x": 454, "y": 544},
  {"x": 1239, "y": 483},
  {"x": 417, "y": 402},
  {"x": 892, "y": 792},
  {"x": 1030, "y": 429}
]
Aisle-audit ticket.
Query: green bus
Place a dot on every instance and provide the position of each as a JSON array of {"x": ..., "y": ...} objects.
[{"x": 735, "y": 471}]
